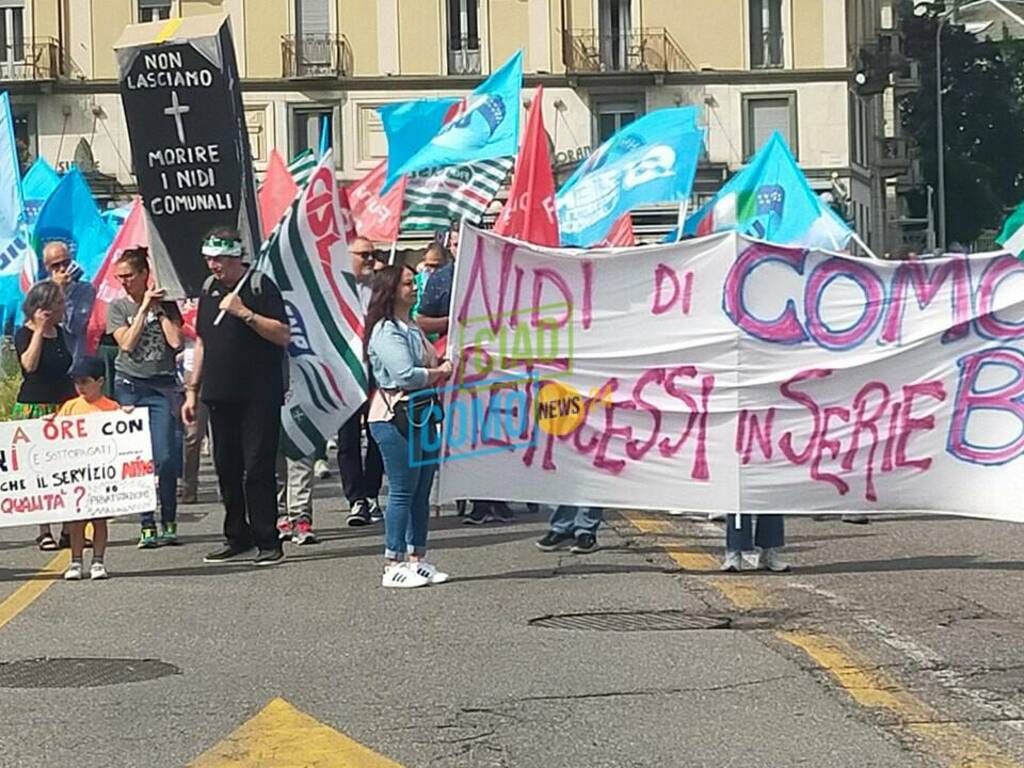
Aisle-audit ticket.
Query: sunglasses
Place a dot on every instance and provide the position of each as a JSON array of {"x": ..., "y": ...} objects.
[{"x": 64, "y": 264}]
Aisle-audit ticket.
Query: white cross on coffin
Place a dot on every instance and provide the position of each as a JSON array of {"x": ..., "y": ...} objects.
[{"x": 176, "y": 110}]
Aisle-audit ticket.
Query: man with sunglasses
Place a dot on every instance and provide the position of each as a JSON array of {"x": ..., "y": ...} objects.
[
  {"x": 238, "y": 371},
  {"x": 79, "y": 295},
  {"x": 361, "y": 477}
]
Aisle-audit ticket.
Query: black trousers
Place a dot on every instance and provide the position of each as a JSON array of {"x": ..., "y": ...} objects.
[
  {"x": 245, "y": 438},
  {"x": 360, "y": 479}
]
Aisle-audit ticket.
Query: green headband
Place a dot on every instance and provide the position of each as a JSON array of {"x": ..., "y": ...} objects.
[{"x": 219, "y": 246}]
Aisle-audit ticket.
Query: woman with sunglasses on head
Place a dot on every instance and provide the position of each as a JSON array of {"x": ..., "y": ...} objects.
[
  {"x": 148, "y": 332},
  {"x": 403, "y": 363},
  {"x": 44, "y": 354}
]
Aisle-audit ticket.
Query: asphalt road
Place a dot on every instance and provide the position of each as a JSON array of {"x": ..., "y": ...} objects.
[{"x": 893, "y": 644}]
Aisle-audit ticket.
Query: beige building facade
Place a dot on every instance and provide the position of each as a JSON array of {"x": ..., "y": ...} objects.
[{"x": 752, "y": 66}]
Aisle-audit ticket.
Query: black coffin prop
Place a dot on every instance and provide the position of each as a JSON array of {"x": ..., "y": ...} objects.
[{"x": 190, "y": 148}]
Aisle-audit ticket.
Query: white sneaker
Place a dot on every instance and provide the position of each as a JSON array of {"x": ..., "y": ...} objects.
[
  {"x": 769, "y": 560},
  {"x": 74, "y": 572},
  {"x": 321, "y": 469},
  {"x": 733, "y": 562},
  {"x": 423, "y": 568},
  {"x": 98, "y": 571},
  {"x": 332, "y": 444},
  {"x": 403, "y": 576}
]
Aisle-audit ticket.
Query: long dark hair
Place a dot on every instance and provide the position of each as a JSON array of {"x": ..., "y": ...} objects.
[{"x": 382, "y": 302}]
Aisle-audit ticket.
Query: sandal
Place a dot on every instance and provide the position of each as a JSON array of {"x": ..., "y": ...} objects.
[{"x": 46, "y": 542}]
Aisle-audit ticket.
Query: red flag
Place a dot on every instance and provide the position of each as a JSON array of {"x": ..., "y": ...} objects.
[
  {"x": 375, "y": 217},
  {"x": 277, "y": 193},
  {"x": 620, "y": 235},
  {"x": 346, "y": 214},
  {"x": 131, "y": 235},
  {"x": 529, "y": 214}
]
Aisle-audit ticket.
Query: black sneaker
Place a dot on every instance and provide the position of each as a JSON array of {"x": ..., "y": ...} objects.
[
  {"x": 481, "y": 514},
  {"x": 267, "y": 557},
  {"x": 500, "y": 512},
  {"x": 359, "y": 514},
  {"x": 585, "y": 544},
  {"x": 227, "y": 553},
  {"x": 376, "y": 513},
  {"x": 553, "y": 540}
]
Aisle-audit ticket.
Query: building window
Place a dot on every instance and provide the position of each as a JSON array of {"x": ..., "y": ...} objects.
[
  {"x": 12, "y": 31},
  {"x": 463, "y": 37},
  {"x": 612, "y": 115},
  {"x": 154, "y": 10},
  {"x": 765, "y": 114},
  {"x": 307, "y": 126},
  {"x": 26, "y": 134},
  {"x": 614, "y": 26},
  {"x": 256, "y": 126},
  {"x": 859, "y": 135},
  {"x": 766, "y": 34}
]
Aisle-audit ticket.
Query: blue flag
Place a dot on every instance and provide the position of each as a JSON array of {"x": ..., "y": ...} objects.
[
  {"x": 39, "y": 183},
  {"x": 407, "y": 124},
  {"x": 13, "y": 237},
  {"x": 652, "y": 160},
  {"x": 71, "y": 216},
  {"x": 485, "y": 126},
  {"x": 770, "y": 199}
]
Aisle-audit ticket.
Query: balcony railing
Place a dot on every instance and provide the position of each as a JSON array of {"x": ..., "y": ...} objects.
[
  {"x": 316, "y": 55},
  {"x": 30, "y": 59},
  {"x": 642, "y": 50},
  {"x": 464, "y": 56}
]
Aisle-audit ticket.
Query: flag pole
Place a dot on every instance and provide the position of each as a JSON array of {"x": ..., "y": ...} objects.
[
  {"x": 684, "y": 207},
  {"x": 234, "y": 292},
  {"x": 864, "y": 246},
  {"x": 394, "y": 249}
]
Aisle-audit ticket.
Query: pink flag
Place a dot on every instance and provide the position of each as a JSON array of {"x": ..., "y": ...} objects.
[
  {"x": 276, "y": 194},
  {"x": 131, "y": 235},
  {"x": 376, "y": 217},
  {"x": 529, "y": 214}
]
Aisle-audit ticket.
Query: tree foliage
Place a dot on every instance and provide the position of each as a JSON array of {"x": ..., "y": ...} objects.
[{"x": 983, "y": 118}]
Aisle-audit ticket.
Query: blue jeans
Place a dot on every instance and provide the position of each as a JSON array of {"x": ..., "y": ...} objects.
[
  {"x": 771, "y": 532},
  {"x": 576, "y": 520},
  {"x": 160, "y": 396},
  {"x": 408, "y": 511}
]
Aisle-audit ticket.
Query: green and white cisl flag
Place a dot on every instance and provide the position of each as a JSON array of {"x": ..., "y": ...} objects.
[
  {"x": 1012, "y": 236},
  {"x": 309, "y": 261}
]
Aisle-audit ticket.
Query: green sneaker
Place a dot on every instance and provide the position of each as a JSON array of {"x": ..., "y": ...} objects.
[
  {"x": 148, "y": 539},
  {"x": 169, "y": 534}
]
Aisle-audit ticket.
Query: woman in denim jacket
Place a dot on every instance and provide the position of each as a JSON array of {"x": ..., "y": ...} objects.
[{"x": 402, "y": 363}]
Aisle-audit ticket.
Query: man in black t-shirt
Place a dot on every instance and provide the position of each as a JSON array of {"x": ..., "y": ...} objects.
[{"x": 239, "y": 375}]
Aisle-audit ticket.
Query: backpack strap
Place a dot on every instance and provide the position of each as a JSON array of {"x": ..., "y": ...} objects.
[{"x": 208, "y": 284}]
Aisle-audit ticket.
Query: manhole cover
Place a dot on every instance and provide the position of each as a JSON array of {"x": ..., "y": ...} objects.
[
  {"x": 635, "y": 621},
  {"x": 80, "y": 672}
]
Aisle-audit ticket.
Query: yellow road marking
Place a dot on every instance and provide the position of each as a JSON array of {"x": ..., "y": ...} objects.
[
  {"x": 280, "y": 736},
  {"x": 957, "y": 746},
  {"x": 30, "y": 590},
  {"x": 167, "y": 30},
  {"x": 856, "y": 674}
]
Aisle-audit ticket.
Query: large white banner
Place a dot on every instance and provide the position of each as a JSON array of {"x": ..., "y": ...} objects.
[
  {"x": 76, "y": 468},
  {"x": 725, "y": 374}
]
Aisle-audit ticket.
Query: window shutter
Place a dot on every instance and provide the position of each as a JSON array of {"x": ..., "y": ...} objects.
[
  {"x": 768, "y": 116},
  {"x": 313, "y": 17}
]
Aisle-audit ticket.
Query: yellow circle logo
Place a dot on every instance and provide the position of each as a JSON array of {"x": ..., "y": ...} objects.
[{"x": 559, "y": 408}]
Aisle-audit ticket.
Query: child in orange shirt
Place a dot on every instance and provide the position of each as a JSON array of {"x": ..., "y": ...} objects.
[{"x": 88, "y": 377}]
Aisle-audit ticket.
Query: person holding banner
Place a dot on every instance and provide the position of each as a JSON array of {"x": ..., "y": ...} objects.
[
  {"x": 769, "y": 534},
  {"x": 148, "y": 332},
  {"x": 403, "y": 363},
  {"x": 239, "y": 368},
  {"x": 45, "y": 358}
]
